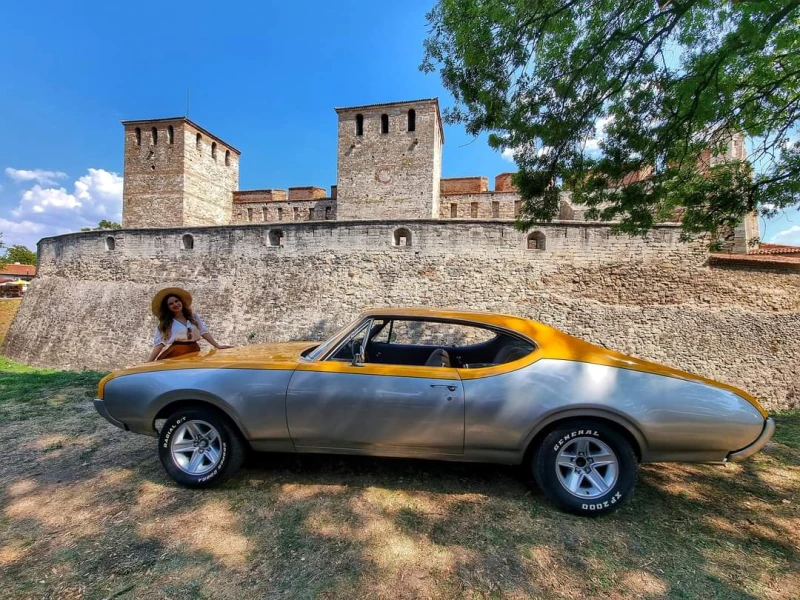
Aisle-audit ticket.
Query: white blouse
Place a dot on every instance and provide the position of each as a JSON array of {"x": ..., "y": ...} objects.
[{"x": 182, "y": 333}]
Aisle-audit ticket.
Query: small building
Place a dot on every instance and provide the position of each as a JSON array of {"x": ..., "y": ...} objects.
[{"x": 17, "y": 271}]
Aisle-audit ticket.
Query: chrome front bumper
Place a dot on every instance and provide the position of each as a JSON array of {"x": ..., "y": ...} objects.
[
  {"x": 100, "y": 407},
  {"x": 761, "y": 441}
]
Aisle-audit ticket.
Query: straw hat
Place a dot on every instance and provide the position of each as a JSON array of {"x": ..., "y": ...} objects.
[{"x": 184, "y": 296}]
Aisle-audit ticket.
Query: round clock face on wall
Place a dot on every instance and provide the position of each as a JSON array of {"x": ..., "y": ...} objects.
[{"x": 384, "y": 175}]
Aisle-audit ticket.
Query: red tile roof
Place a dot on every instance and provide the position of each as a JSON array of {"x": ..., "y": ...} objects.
[
  {"x": 19, "y": 270},
  {"x": 776, "y": 249}
]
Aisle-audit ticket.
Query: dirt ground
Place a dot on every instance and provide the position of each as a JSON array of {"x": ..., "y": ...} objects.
[
  {"x": 87, "y": 512},
  {"x": 8, "y": 308}
]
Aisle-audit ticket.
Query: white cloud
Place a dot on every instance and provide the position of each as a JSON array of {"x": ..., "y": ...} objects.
[
  {"x": 38, "y": 175},
  {"x": 12, "y": 227},
  {"x": 789, "y": 236},
  {"x": 592, "y": 144},
  {"x": 508, "y": 154},
  {"x": 46, "y": 211}
]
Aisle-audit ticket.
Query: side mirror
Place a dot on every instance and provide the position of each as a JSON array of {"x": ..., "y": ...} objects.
[{"x": 355, "y": 350}]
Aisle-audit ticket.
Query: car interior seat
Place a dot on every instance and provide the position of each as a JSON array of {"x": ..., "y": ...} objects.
[
  {"x": 511, "y": 352},
  {"x": 438, "y": 358}
]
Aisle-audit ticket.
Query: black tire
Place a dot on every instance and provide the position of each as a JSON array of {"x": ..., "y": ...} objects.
[
  {"x": 227, "y": 446},
  {"x": 586, "y": 498}
]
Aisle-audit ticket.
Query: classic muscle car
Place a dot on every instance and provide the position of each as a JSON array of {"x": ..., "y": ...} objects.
[{"x": 450, "y": 385}]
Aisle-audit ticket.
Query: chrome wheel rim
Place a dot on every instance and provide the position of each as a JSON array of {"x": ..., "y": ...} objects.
[
  {"x": 587, "y": 467},
  {"x": 196, "y": 447}
]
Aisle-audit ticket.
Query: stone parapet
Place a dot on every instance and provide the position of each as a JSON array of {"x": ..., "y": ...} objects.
[
  {"x": 307, "y": 193},
  {"x": 463, "y": 185},
  {"x": 260, "y": 196}
]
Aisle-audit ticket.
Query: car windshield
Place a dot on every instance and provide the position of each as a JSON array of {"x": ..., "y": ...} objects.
[{"x": 328, "y": 344}]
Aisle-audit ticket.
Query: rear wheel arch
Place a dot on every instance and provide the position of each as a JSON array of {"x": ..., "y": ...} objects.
[{"x": 620, "y": 424}]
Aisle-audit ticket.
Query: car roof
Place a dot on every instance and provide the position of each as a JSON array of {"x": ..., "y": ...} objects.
[{"x": 521, "y": 325}]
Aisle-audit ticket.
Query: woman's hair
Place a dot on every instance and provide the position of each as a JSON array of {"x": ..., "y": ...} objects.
[{"x": 165, "y": 316}]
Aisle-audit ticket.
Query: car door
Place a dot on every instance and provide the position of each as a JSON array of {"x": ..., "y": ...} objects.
[{"x": 376, "y": 408}]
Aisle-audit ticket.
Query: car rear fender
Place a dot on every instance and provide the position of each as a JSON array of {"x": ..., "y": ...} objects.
[{"x": 618, "y": 420}]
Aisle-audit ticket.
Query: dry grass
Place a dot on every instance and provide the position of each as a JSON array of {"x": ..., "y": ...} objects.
[
  {"x": 87, "y": 512},
  {"x": 8, "y": 308}
]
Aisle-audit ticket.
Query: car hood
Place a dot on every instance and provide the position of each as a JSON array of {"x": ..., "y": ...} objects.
[{"x": 281, "y": 355}]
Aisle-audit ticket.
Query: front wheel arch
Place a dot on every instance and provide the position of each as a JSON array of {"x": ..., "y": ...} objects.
[{"x": 172, "y": 407}]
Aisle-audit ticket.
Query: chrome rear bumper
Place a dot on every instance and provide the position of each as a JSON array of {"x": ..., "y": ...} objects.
[{"x": 761, "y": 441}]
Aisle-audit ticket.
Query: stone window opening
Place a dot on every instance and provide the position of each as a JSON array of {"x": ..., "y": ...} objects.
[
  {"x": 310, "y": 214},
  {"x": 495, "y": 209},
  {"x": 154, "y": 132},
  {"x": 250, "y": 215},
  {"x": 402, "y": 237},
  {"x": 214, "y": 150},
  {"x": 187, "y": 242},
  {"x": 171, "y": 134},
  {"x": 265, "y": 214},
  {"x": 276, "y": 237},
  {"x": 111, "y": 243},
  {"x": 412, "y": 120},
  {"x": 359, "y": 124},
  {"x": 473, "y": 210},
  {"x": 384, "y": 123},
  {"x": 296, "y": 213},
  {"x": 517, "y": 207},
  {"x": 138, "y": 137},
  {"x": 327, "y": 213},
  {"x": 227, "y": 158},
  {"x": 280, "y": 214},
  {"x": 453, "y": 210},
  {"x": 199, "y": 142},
  {"x": 536, "y": 241}
]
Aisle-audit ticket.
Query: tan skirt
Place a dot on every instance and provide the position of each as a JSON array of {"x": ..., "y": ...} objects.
[{"x": 179, "y": 349}]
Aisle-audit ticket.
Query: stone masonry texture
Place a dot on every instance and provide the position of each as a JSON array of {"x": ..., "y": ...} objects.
[
  {"x": 390, "y": 175},
  {"x": 652, "y": 297}
]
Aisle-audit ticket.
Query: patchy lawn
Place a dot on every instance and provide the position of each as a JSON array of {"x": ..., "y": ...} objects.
[
  {"x": 8, "y": 308},
  {"x": 86, "y": 511}
]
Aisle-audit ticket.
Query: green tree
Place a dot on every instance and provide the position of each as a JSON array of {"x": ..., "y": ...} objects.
[
  {"x": 102, "y": 225},
  {"x": 671, "y": 79},
  {"x": 21, "y": 254}
]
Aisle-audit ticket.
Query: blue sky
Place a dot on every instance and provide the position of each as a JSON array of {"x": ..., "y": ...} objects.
[{"x": 265, "y": 77}]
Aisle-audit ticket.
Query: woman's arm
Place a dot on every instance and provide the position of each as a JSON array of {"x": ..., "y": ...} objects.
[
  {"x": 156, "y": 351},
  {"x": 210, "y": 339}
]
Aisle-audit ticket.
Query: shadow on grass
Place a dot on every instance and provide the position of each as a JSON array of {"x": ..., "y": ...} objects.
[{"x": 88, "y": 511}]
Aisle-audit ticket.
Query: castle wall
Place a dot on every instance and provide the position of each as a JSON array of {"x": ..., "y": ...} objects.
[
  {"x": 486, "y": 205},
  {"x": 274, "y": 211},
  {"x": 652, "y": 297}
]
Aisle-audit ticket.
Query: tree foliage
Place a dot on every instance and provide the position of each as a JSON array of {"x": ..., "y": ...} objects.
[
  {"x": 671, "y": 79},
  {"x": 21, "y": 254},
  {"x": 103, "y": 225}
]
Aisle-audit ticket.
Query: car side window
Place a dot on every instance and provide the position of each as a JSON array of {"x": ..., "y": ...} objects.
[
  {"x": 434, "y": 333},
  {"x": 345, "y": 351}
]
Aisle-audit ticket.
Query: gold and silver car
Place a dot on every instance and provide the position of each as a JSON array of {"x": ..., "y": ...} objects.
[{"x": 449, "y": 385}]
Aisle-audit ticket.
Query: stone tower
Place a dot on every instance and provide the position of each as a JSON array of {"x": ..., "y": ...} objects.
[
  {"x": 389, "y": 160},
  {"x": 177, "y": 174}
]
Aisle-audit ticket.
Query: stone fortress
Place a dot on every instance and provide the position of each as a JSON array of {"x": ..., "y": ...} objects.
[
  {"x": 274, "y": 265},
  {"x": 389, "y": 159}
]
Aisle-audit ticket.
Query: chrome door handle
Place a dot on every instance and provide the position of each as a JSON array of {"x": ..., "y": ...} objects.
[{"x": 452, "y": 388}]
